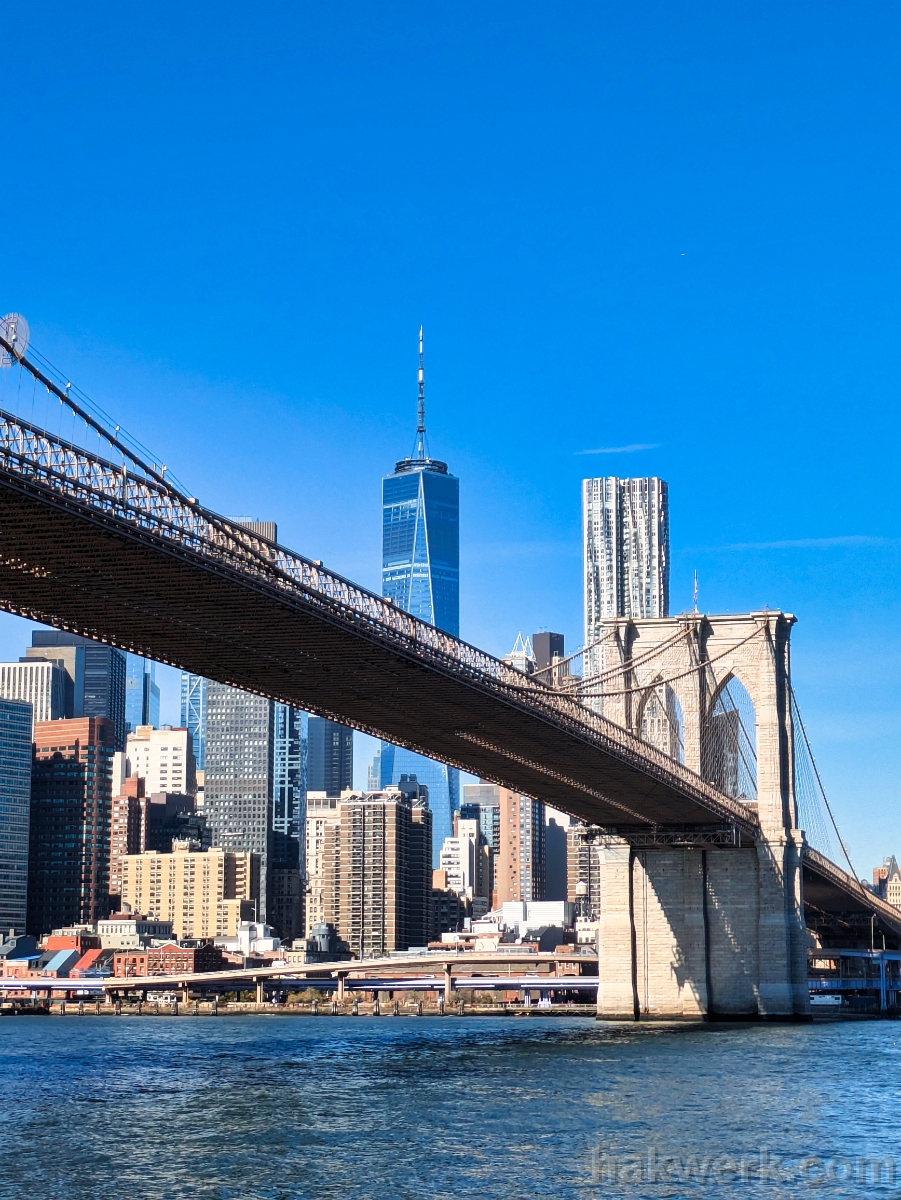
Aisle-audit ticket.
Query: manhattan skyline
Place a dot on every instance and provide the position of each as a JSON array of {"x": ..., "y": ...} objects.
[{"x": 578, "y": 326}]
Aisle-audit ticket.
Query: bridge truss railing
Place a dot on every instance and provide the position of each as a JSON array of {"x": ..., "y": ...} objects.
[{"x": 135, "y": 493}]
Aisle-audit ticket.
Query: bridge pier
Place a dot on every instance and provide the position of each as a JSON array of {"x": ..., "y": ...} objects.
[{"x": 702, "y": 932}]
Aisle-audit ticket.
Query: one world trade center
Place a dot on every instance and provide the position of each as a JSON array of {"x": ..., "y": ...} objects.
[{"x": 421, "y": 574}]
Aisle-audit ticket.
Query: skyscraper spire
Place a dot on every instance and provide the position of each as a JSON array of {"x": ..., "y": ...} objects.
[{"x": 420, "y": 412}]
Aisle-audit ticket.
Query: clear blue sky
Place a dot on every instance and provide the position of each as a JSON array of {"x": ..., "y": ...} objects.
[{"x": 669, "y": 226}]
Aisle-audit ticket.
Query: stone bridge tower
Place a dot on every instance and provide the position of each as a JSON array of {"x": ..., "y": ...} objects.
[{"x": 703, "y": 923}]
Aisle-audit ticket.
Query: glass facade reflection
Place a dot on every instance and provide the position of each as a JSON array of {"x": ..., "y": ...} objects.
[
  {"x": 15, "y": 806},
  {"x": 421, "y": 542},
  {"x": 421, "y": 574},
  {"x": 193, "y": 713},
  {"x": 142, "y": 693}
]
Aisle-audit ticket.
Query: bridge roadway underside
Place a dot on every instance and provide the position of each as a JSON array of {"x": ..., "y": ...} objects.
[
  {"x": 66, "y": 565},
  {"x": 841, "y": 913}
]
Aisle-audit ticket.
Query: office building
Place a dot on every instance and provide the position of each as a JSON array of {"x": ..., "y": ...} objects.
[
  {"x": 205, "y": 894},
  {"x": 515, "y": 825},
  {"x": 285, "y": 889},
  {"x": 555, "y": 883},
  {"x": 41, "y": 684},
  {"x": 547, "y": 648},
  {"x": 253, "y": 757},
  {"x": 168, "y": 959},
  {"x": 330, "y": 756},
  {"x": 887, "y": 881},
  {"x": 131, "y": 931},
  {"x": 288, "y": 784},
  {"x": 95, "y": 675},
  {"x": 549, "y": 661},
  {"x": 323, "y": 861},
  {"x": 378, "y": 867},
  {"x": 71, "y": 795},
  {"x": 125, "y": 829},
  {"x": 238, "y": 775},
  {"x": 142, "y": 693},
  {"x": 193, "y": 713},
  {"x": 481, "y": 803},
  {"x": 442, "y": 782},
  {"x": 163, "y": 758},
  {"x": 254, "y": 794},
  {"x": 263, "y": 529},
  {"x": 449, "y": 908},
  {"x": 68, "y": 657},
  {"x": 168, "y": 817},
  {"x": 421, "y": 533},
  {"x": 15, "y": 804},
  {"x": 285, "y": 901},
  {"x": 421, "y": 574},
  {"x": 465, "y": 859},
  {"x": 625, "y": 540},
  {"x": 522, "y": 656},
  {"x": 583, "y": 869}
]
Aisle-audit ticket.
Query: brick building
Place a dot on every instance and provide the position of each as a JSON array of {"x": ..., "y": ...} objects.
[
  {"x": 69, "y": 838},
  {"x": 168, "y": 959},
  {"x": 125, "y": 829}
]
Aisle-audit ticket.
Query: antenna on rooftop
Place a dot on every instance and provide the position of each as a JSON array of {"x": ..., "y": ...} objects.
[{"x": 420, "y": 412}]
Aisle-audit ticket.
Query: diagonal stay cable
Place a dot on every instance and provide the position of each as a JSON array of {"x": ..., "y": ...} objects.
[
  {"x": 673, "y": 678},
  {"x": 816, "y": 771}
]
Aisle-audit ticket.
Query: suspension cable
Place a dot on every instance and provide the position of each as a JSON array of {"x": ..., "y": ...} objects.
[
  {"x": 64, "y": 398},
  {"x": 672, "y": 679},
  {"x": 651, "y": 652},
  {"x": 797, "y": 712}
]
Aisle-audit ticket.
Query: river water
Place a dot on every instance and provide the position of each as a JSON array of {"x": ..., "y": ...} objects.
[{"x": 278, "y": 1107}]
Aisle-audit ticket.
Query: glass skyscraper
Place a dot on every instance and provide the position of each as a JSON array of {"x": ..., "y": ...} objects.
[
  {"x": 95, "y": 675},
  {"x": 421, "y": 541},
  {"x": 142, "y": 693},
  {"x": 330, "y": 756},
  {"x": 193, "y": 713},
  {"x": 15, "y": 808},
  {"x": 255, "y": 793},
  {"x": 289, "y": 784},
  {"x": 421, "y": 574}
]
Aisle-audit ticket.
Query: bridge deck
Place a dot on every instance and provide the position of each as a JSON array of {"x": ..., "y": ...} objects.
[
  {"x": 831, "y": 891},
  {"x": 85, "y": 547},
  {"x": 113, "y": 552}
]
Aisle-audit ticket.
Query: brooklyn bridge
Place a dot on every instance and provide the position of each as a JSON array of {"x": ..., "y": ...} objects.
[{"x": 718, "y": 875}]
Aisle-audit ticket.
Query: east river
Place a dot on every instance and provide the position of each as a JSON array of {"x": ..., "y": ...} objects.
[{"x": 279, "y": 1107}]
